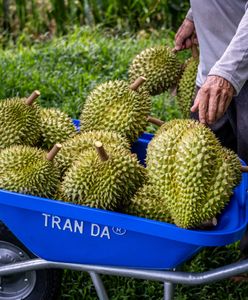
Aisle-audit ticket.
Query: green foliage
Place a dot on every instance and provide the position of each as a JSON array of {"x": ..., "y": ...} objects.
[
  {"x": 39, "y": 17},
  {"x": 66, "y": 69}
]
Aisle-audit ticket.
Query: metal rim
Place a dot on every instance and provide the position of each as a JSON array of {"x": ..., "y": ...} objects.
[{"x": 17, "y": 286}]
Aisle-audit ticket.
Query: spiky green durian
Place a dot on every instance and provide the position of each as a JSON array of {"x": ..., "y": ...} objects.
[
  {"x": 227, "y": 175},
  {"x": 161, "y": 154},
  {"x": 56, "y": 127},
  {"x": 159, "y": 66},
  {"x": 19, "y": 121},
  {"x": 182, "y": 123},
  {"x": 191, "y": 172},
  {"x": 147, "y": 204},
  {"x": 27, "y": 170},
  {"x": 186, "y": 87},
  {"x": 103, "y": 184},
  {"x": 114, "y": 106},
  {"x": 85, "y": 140},
  {"x": 196, "y": 159}
]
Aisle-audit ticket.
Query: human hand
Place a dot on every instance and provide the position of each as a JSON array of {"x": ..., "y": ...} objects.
[
  {"x": 183, "y": 38},
  {"x": 213, "y": 99}
]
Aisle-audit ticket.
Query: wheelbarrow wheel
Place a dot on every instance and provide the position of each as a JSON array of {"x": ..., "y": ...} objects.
[{"x": 31, "y": 285}]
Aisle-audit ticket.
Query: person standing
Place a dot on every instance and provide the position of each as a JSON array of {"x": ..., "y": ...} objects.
[{"x": 221, "y": 100}]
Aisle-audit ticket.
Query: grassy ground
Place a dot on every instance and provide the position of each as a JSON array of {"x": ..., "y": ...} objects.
[
  {"x": 65, "y": 70},
  {"x": 78, "y": 285}
]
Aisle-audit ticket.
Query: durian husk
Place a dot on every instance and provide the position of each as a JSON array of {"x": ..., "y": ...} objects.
[
  {"x": 19, "y": 123},
  {"x": 227, "y": 175},
  {"x": 183, "y": 124},
  {"x": 114, "y": 106},
  {"x": 159, "y": 65},
  {"x": 27, "y": 170},
  {"x": 195, "y": 162},
  {"x": 191, "y": 172},
  {"x": 147, "y": 204},
  {"x": 56, "y": 127},
  {"x": 186, "y": 87},
  {"x": 103, "y": 184},
  {"x": 73, "y": 147}
]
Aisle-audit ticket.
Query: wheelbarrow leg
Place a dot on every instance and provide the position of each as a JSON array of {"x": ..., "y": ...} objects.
[
  {"x": 168, "y": 290},
  {"x": 98, "y": 284}
]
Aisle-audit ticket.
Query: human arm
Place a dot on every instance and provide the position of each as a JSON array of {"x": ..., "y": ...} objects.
[
  {"x": 226, "y": 78},
  {"x": 183, "y": 37}
]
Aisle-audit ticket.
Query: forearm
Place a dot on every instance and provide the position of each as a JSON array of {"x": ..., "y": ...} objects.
[{"x": 233, "y": 65}]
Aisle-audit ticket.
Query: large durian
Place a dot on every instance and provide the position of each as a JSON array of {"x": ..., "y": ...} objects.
[
  {"x": 103, "y": 180},
  {"x": 192, "y": 172},
  {"x": 73, "y": 147},
  {"x": 19, "y": 121},
  {"x": 160, "y": 67},
  {"x": 29, "y": 170},
  {"x": 116, "y": 106},
  {"x": 187, "y": 84},
  {"x": 147, "y": 204},
  {"x": 56, "y": 127}
]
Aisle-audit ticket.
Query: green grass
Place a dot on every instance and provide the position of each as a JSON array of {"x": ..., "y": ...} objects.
[
  {"x": 65, "y": 70},
  {"x": 78, "y": 285}
]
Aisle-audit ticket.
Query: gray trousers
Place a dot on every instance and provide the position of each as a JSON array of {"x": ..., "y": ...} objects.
[
  {"x": 232, "y": 128},
  {"x": 232, "y": 131}
]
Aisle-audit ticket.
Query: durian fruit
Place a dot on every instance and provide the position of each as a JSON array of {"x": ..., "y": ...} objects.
[
  {"x": 147, "y": 204},
  {"x": 160, "y": 157},
  {"x": 73, "y": 147},
  {"x": 56, "y": 127},
  {"x": 159, "y": 65},
  {"x": 187, "y": 84},
  {"x": 29, "y": 170},
  {"x": 19, "y": 121},
  {"x": 116, "y": 106},
  {"x": 191, "y": 172},
  {"x": 227, "y": 175},
  {"x": 103, "y": 180},
  {"x": 181, "y": 123}
]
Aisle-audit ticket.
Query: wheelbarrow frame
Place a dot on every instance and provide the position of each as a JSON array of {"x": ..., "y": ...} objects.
[{"x": 169, "y": 278}]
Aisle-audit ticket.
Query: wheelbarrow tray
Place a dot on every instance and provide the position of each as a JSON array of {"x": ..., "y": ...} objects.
[{"x": 64, "y": 232}]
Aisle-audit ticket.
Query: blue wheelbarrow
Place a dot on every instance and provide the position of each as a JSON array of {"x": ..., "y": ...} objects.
[{"x": 44, "y": 235}]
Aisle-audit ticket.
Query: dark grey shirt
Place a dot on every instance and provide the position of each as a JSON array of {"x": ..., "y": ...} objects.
[{"x": 222, "y": 31}]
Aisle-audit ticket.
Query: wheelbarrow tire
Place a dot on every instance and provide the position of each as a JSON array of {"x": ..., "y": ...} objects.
[{"x": 47, "y": 284}]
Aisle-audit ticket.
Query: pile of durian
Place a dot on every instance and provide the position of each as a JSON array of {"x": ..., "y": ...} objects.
[{"x": 189, "y": 176}]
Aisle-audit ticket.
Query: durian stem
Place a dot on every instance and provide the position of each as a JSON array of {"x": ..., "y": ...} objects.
[
  {"x": 244, "y": 169},
  {"x": 137, "y": 83},
  {"x": 32, "y": 97},
  {"x": 101, "y": 151},
  {"x": 194, "y": 48},
  {"x": 208, "y": 224},
  {"x": 52, "y": 153},
  {"x": 155, "y": 121}
]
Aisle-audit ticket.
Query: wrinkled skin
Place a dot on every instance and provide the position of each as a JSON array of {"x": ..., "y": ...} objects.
[{"x": 213, "y": 99}]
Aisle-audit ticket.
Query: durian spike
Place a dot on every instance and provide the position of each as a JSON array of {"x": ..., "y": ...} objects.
[
  {"x": 137, "y": 83},
  {"x": 155, "y": 121},
  {"x": 101, "y": 151},
  {"x": 52, "y": 153},
  {"x": 244, "y": 169},
  {"x": 32, "y": 97},
  {"x": 194, "y": 48}
]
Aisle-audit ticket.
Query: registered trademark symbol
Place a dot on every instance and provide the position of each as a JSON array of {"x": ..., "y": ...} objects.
[{"x": 118, "y": 230}]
